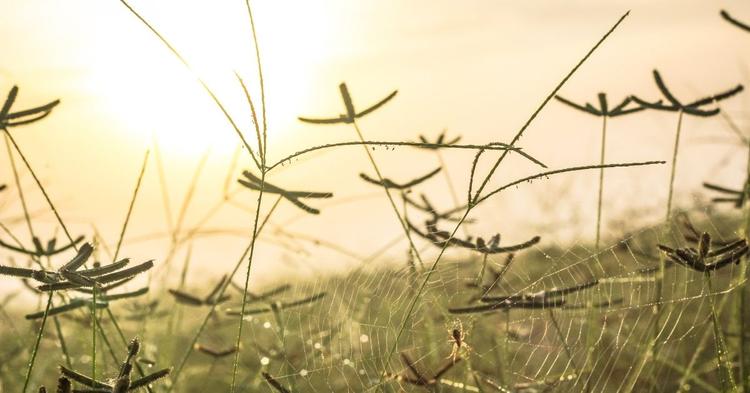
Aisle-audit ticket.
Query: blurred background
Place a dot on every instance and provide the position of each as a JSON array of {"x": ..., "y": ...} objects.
[{"x": 477, "y": 69}]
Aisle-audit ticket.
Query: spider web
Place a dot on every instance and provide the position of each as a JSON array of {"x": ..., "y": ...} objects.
[{"x": 596, "y": 341}]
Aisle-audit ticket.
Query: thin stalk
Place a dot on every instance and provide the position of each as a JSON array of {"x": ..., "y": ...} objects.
[
  {"x": 401, "y": 221},
  {"x": 533, "y": 116},
  {"x": 674, "y": 166},
  {"x": 41, "y": 187},
  {"x": 247, "y": 281},
  {"x": 123, "y": 340},
  {"x": 724, "y": 363},
  {"x": 181, "y": 364},
  {"x": 177, "y": 315},
  {"x": 562, "y": 339},
  {"x": 601, "y": 184},
  {"x": 34, "y": 351},
  {"x": 164, "y": 188},
  {"x": 30, "y": 368},
  {"x": 742, "y": 306},
  {"x": 448, "y": 180},
  {"x": 106, "y": 342},
  {"x": 130, "y": 207},
  {"x": 17, "y": 181},
  {"x": 688, "y": 371},
  {"x": 652, "y": 349},
  {"x": 480, "y": 277},
  {"x": 27, "y": 218},
  {"x": 63, "y": 345},
  {"x": 264, "y": 146},
  {"x": 93, "y": 333},
  {"x": 200, "y": 80}
]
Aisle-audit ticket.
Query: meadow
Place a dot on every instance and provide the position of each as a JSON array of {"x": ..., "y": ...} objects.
[{"x": 660, "y": 308}]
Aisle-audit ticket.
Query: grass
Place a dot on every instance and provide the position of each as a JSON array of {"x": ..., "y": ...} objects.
[{"x": 585, "y": 317}]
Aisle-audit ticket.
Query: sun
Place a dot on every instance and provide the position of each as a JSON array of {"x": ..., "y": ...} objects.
[{"x": 150, "y": 92}]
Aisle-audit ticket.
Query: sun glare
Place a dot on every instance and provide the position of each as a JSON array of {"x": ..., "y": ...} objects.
[{"x": 216, "y": 40}]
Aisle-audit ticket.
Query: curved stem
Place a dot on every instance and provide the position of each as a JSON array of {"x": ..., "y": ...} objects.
[{"x": 492, "y": 146}]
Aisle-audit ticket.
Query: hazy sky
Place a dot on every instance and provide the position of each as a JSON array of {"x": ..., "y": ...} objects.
[{"x": 475, "y": 68}]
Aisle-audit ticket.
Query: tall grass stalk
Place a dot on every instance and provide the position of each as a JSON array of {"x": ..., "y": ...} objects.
[
  {"x": 93, "y": 332},
  {"x": 687, "y": 374},
  {"x": 724, "y": 362},
  {"x": 262, "y": 148},
  {"x": 63, "y": 345},
  {"x": 35, "y": 349},
  {"x": 30, "y": 368},
  {"x": 673, "y": 170},
  {"x": 601, "y": 185},
  {"x": 651, "y": 351},
  {"x": 181, "y": 364},
  {"x": 163, "y": 187},
  {"x": 235, "y": 365},
  {"x": 743, "y": 293},
  {"x": 131, "y": 205},
  {"x": 17, "y": 181},
  {"x": 401, "y": 221},
  {"x": 41, "y": 187}
]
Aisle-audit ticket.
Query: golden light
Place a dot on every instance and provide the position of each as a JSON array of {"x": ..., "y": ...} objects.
[{"x": 216, "y": 40}]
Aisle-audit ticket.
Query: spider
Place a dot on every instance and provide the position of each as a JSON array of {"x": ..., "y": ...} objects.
[{"x": 458, "y": 341}]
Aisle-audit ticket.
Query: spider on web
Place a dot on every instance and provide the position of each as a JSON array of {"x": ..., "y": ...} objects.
[{"x": 458, "y": 341}]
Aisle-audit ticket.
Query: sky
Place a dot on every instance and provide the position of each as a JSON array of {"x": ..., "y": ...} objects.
[{"x": 477, "y": 69}]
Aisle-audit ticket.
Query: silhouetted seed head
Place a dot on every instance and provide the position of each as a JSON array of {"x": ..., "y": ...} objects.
[
  {"x": 134, "y": 348},
  {"x": 274, "y": 383},
  {"x": 255, "y": 183},
  {"x": 276, "y": 306},
  {"x": 149, "y": 379},
  {"x": 736, "y": 22},
  {"x": 39, "y": 250},
  {"x": 737, "y": 197},
  {"x": 706, "y": 258},
  {"x": 419, "y": 378},
  {"x": 439, "y": 143},
  {"x": 215, "y": 353},
  {"x": 64, "y": 385},
  {"x": 693, "y": 108},
  {"x": 704, "y": 245},
  {"x": 22, "y": 117},
  {"x": 122, "y": 385},
  {"x": 42, "y": 389},
  {"x": 443, "y": 239},
  {"x": 623, "y": 108},
  {"x": 387, "y": 183},
  {"x": 351, "y": 113}
]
